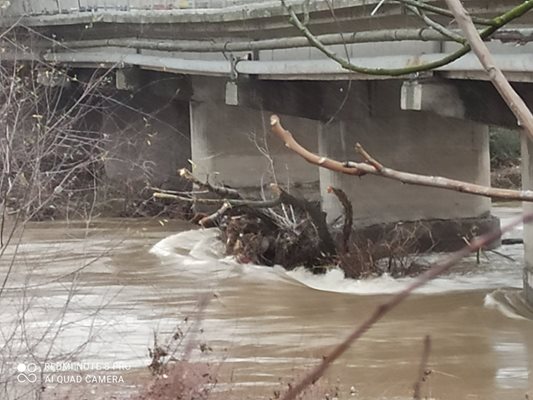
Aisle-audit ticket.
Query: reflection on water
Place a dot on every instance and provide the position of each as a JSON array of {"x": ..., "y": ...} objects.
[
  {"x": 134, "y": 278},
  {"x": 513, "y": 361}
]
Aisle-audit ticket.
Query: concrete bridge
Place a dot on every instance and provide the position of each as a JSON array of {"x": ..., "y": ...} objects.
[{"x": 211, "y": 72}]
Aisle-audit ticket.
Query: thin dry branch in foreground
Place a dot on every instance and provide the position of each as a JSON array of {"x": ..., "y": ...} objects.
[
  {"x": 373, "y": 167},
  {"x": 437, "y": 269},
  {"x": 500, "y": 82},
  {"x": 423, "y": 371}
]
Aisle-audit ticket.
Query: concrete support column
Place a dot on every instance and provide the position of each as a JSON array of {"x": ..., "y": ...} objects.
[
  {"x": 527, "y": 184},
  {"x": 234, "y": 146},
  {"x": 413, "y": 142}
]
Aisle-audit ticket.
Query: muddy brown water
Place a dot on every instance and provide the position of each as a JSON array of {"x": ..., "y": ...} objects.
[{"x": 97, "y": 293}]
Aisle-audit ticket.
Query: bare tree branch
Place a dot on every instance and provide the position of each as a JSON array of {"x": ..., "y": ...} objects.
[
  {"x": 212, "y": 220},
  {"x": 232, "y": 202},
  {"x": 436, "y": 26},
  {"x": 310, "y": 157},
  {"x": 437, "y": 269},
  {"x": 422, "y": 370},
  {"x": 509, "y": 95},
  {"x": 498, "y": 22},
  {"x": 222, "y": 191},
  {"x": 327, "y": 245},
  {"x": 441, "y": 11},
  {"x": 373, "y": 167}
]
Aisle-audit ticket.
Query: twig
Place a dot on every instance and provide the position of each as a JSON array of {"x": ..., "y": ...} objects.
[
  {"x": 441, "y": 11},
  {"x": 436, "y": 26},
  {"x": 437, "y": 269},
  {"x": 422, "y": 370},
  {"x": 212, "y": 220},
  {"x": 368, "y": 158},
  {"x": 318, "y": 218},
  {"x": 376, "y": 8},
  {"x": 310, "y": 157},
  {"x": 179, "y": 193},
  {"x": 498, "y": 22},
  {"x": 220, "y": 190},
  {"x": 359, "y": 169},
  {"x": 502, "y": 255},
  {"x": 509, "y": 95},
  {"x": 233, "y": 202}
]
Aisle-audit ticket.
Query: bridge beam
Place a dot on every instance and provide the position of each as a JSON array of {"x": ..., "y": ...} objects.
[
  {"x": 317, "y": 100},
  {"x": 154, "y": 83},
  {"x": 469, "y": 100}
]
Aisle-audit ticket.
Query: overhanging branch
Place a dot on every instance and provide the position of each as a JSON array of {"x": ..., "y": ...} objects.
[
  {"x": 373, "y": 167},
  {"x": 497, "y": 23},
  {"x": 509, "y": 95}
]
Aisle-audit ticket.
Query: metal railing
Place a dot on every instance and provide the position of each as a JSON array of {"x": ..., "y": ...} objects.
[{"x": 53, "y": 7}]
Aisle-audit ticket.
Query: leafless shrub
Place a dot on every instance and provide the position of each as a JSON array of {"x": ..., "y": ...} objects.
[
  {"x": 183, "y": 381},
  {"x": 175, "y": 376},
  {"x": 51, "y": 154},
  {"x": 395, "y": 252}
]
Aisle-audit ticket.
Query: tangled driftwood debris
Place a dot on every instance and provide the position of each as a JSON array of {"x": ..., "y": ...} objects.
[
  {"x": 291, "y": 231},
  {"x": 284, "y": 230}
]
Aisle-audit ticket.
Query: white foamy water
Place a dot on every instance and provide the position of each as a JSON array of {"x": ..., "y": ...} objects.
[
  {"x": 201, "y": 250},
  {"x": 510, "y": 302}
]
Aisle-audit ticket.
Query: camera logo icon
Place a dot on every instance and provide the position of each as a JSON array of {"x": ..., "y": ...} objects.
[{"x": 27, "y": 373}]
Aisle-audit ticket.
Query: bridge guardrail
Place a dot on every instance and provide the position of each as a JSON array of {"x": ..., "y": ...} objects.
[{"x": 52, "y": 7}]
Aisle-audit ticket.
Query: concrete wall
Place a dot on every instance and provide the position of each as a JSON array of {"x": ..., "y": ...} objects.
[
  {"x": 413, "y": 142},
  {"x": 223, "y": 147},
  {"x": 148, "y": 140},
  {"x": 527, "y": 184}
]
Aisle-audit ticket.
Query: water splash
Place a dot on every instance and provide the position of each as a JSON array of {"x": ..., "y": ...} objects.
[
  {"x": 510, "y": 303},
  {"x": 199, "y": 251}
]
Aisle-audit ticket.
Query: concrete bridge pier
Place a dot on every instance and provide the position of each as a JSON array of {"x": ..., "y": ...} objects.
[
  {"x": 527, "y": 184},
  {"x": 416, "y": 142},
  {"x": 233, "y": 145}
]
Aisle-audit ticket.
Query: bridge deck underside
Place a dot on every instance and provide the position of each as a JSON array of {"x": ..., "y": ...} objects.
[{"x": 183, "y": 38}]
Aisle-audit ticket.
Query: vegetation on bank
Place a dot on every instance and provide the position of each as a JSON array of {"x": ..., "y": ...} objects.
[
  {"x": 504, "y": 147},
  {"x": 505, "y": 157},
  {"x": 54, "y": 152}
]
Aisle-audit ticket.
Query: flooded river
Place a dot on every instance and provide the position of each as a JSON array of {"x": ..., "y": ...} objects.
[{"x": 97, "y": 294}]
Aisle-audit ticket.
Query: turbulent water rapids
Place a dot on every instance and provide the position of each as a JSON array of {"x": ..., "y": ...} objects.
[{"x": 105, "y": 289}]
